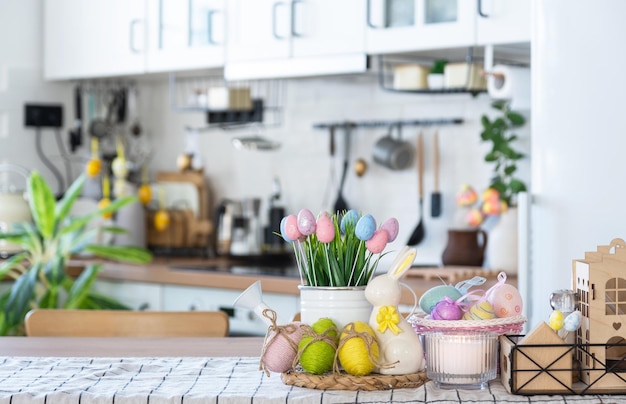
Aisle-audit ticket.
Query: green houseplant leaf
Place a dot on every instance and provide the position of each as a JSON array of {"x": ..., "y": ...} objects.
[
  {"x": 502, "y": 154},
  {"x": 42, "y": 204},
  {"x": 48, "y": 243}
]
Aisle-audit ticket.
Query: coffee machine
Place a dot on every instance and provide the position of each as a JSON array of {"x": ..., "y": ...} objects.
[{"x": 239, "y": 231}]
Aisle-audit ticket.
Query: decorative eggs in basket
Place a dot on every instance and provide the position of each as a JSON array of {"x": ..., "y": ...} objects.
[{"x": 449, "y": 307}]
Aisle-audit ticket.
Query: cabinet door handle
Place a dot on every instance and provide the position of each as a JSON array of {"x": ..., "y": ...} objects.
[
  {"x": 210, "y": 38},
  {"x": 189, "y": 23},
  {"x": 368, "y": 16},
  {"x": 274, "y": 8},
  {"x": 294, "y": 33},
  {"x": 131, "y": 36},
  {"x": 160, "y": 25},
  {"x": 480, "y": 9}
]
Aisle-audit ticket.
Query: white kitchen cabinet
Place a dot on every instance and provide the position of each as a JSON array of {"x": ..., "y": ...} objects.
[
  {"x": 242, "y": 321},
  {"x": 95, "y": 38},
  {"x": 185, "y": 35},
  {"x": 396, "y": 26},
  {"x": 503, "y": 22},
  {"x": 305, "y": 37},
  {"x": 136, "y": 295}
]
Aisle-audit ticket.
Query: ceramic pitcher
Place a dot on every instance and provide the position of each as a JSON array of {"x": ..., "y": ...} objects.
[{"x": 465, "y": 247}]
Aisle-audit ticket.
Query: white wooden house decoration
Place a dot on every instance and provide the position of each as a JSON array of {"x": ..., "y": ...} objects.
[{"x": 600, "y": 282}]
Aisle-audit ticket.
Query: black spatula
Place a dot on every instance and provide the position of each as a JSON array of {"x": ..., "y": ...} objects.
[
  {"x": 435, "y": 197},
  {"x": 418, "y": 234}
]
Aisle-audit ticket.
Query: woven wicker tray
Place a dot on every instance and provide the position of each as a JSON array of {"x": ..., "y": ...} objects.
[
  {"x": 508, "y": 325},
  {"x": 343, "y": 381}
]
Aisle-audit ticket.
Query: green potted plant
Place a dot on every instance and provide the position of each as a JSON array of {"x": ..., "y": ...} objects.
[
  {"x": 503, "y": 155},
  {"x": 337, "y": 255},
  {"x": 48, "y": 243},
  {"x": 504, "y": 187},
  {"x": 435, "y": 77}
]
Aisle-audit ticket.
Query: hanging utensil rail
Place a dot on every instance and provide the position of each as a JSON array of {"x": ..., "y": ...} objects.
[{"x": 387, "y": 123}]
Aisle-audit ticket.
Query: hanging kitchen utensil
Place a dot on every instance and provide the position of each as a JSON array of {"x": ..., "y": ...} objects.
[
  {"x": 76, "y": 134},
  {"x": 330, "y": 187},
  {"x": 98, "y": 126},
  {"x": 132, "y": 100},
  {"x": 435, "y": 197},
  {"x": 418, "y": 234},
  {"x": 341, "y": 204},
  {"x": 394, "y": 154}
]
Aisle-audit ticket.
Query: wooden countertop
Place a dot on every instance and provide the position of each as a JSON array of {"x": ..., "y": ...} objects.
[{"x": 161, "y": 271}]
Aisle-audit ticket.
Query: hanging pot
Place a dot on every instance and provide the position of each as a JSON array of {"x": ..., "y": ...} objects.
[{"x": 13, "y": 205}]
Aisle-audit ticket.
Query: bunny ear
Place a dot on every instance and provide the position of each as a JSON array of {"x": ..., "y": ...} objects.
[
  {"x": 398, "y": 258},
  {"x": 402, "y": 262}
]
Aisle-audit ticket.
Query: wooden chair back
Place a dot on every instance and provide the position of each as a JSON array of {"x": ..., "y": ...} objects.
[{"x": 123, "y": 323}]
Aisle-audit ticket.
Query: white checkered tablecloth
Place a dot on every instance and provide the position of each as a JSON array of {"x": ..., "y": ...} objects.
[{"x": 208, "y": 380}]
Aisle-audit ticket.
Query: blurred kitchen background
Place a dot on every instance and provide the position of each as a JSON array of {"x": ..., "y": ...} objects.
[
  {"x": 302, "y": 165},
  {"x": 575, "y": 153}
]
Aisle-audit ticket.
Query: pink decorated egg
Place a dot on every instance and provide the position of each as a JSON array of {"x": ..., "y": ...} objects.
[
  {"x": 377, "y": 243},
  {"x": 474, "y": 217},
  {"x": 279, "y": 351},
  {"x": 325, "y": 230},
  {"x": 391, "y": 226},
  {"x": 306, "y": 222},
  {"x": 467, "y": 196},
  {"x": 506, "y": 301},
  {"x": 291, "y": 228}
]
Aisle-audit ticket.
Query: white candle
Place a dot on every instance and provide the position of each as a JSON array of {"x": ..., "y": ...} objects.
[{"x": 465, "y": 358}]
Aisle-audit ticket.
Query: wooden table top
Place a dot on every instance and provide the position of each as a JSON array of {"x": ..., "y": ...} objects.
[{"x": 130, "y": 347}]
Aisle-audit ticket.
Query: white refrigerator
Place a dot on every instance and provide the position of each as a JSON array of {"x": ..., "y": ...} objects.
[{"x": 578, "y": 146}]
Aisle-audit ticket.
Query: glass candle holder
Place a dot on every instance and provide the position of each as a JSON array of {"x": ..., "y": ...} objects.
[{"x": 461, "y": 359}]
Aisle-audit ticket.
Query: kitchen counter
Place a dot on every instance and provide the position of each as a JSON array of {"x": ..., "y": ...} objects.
[{"x": 227, "y": 274}]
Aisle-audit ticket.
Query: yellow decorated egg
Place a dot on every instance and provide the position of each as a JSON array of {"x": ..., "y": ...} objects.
[
  {"x": 556, "y": 320},
  {"x": 480, "y": 311},
  {"x": 490, "y": 194},
  {"x": 145, "y": 194},
  {"x": 103, "y": 203},
  {"x": 161, "y": 220},
  {"x": 354, "y": 351},
  {"x": 93, "y": 167}
]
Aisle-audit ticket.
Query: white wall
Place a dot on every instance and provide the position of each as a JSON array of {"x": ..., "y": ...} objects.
[
  {"x": 302, "y": 163},
  {"x": 578, "y": 139},
  {"x": 21, "y": 82}
]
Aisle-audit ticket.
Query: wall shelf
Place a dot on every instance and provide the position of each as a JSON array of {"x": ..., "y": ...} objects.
[{"x": 189, "y": 93}]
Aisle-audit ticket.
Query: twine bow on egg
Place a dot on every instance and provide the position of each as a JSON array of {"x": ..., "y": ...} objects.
[
  {"x": 313, "y": 355},
  {"x": 280, "y": 345},
  {"x": 358, "y": 359}
]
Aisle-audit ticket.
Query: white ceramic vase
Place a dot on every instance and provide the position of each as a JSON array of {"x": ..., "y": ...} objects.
[
  {"x": 502, "y": 248},
  {"x": 343, "y": 305}
]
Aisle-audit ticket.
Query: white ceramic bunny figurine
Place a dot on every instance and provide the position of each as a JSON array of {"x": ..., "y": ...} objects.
[{"x": 401, "y": 350}]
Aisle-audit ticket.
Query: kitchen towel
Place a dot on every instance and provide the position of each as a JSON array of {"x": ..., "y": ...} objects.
[
  {"x": 510, "y": 82},
  {"x": 201, "y": 380}
]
